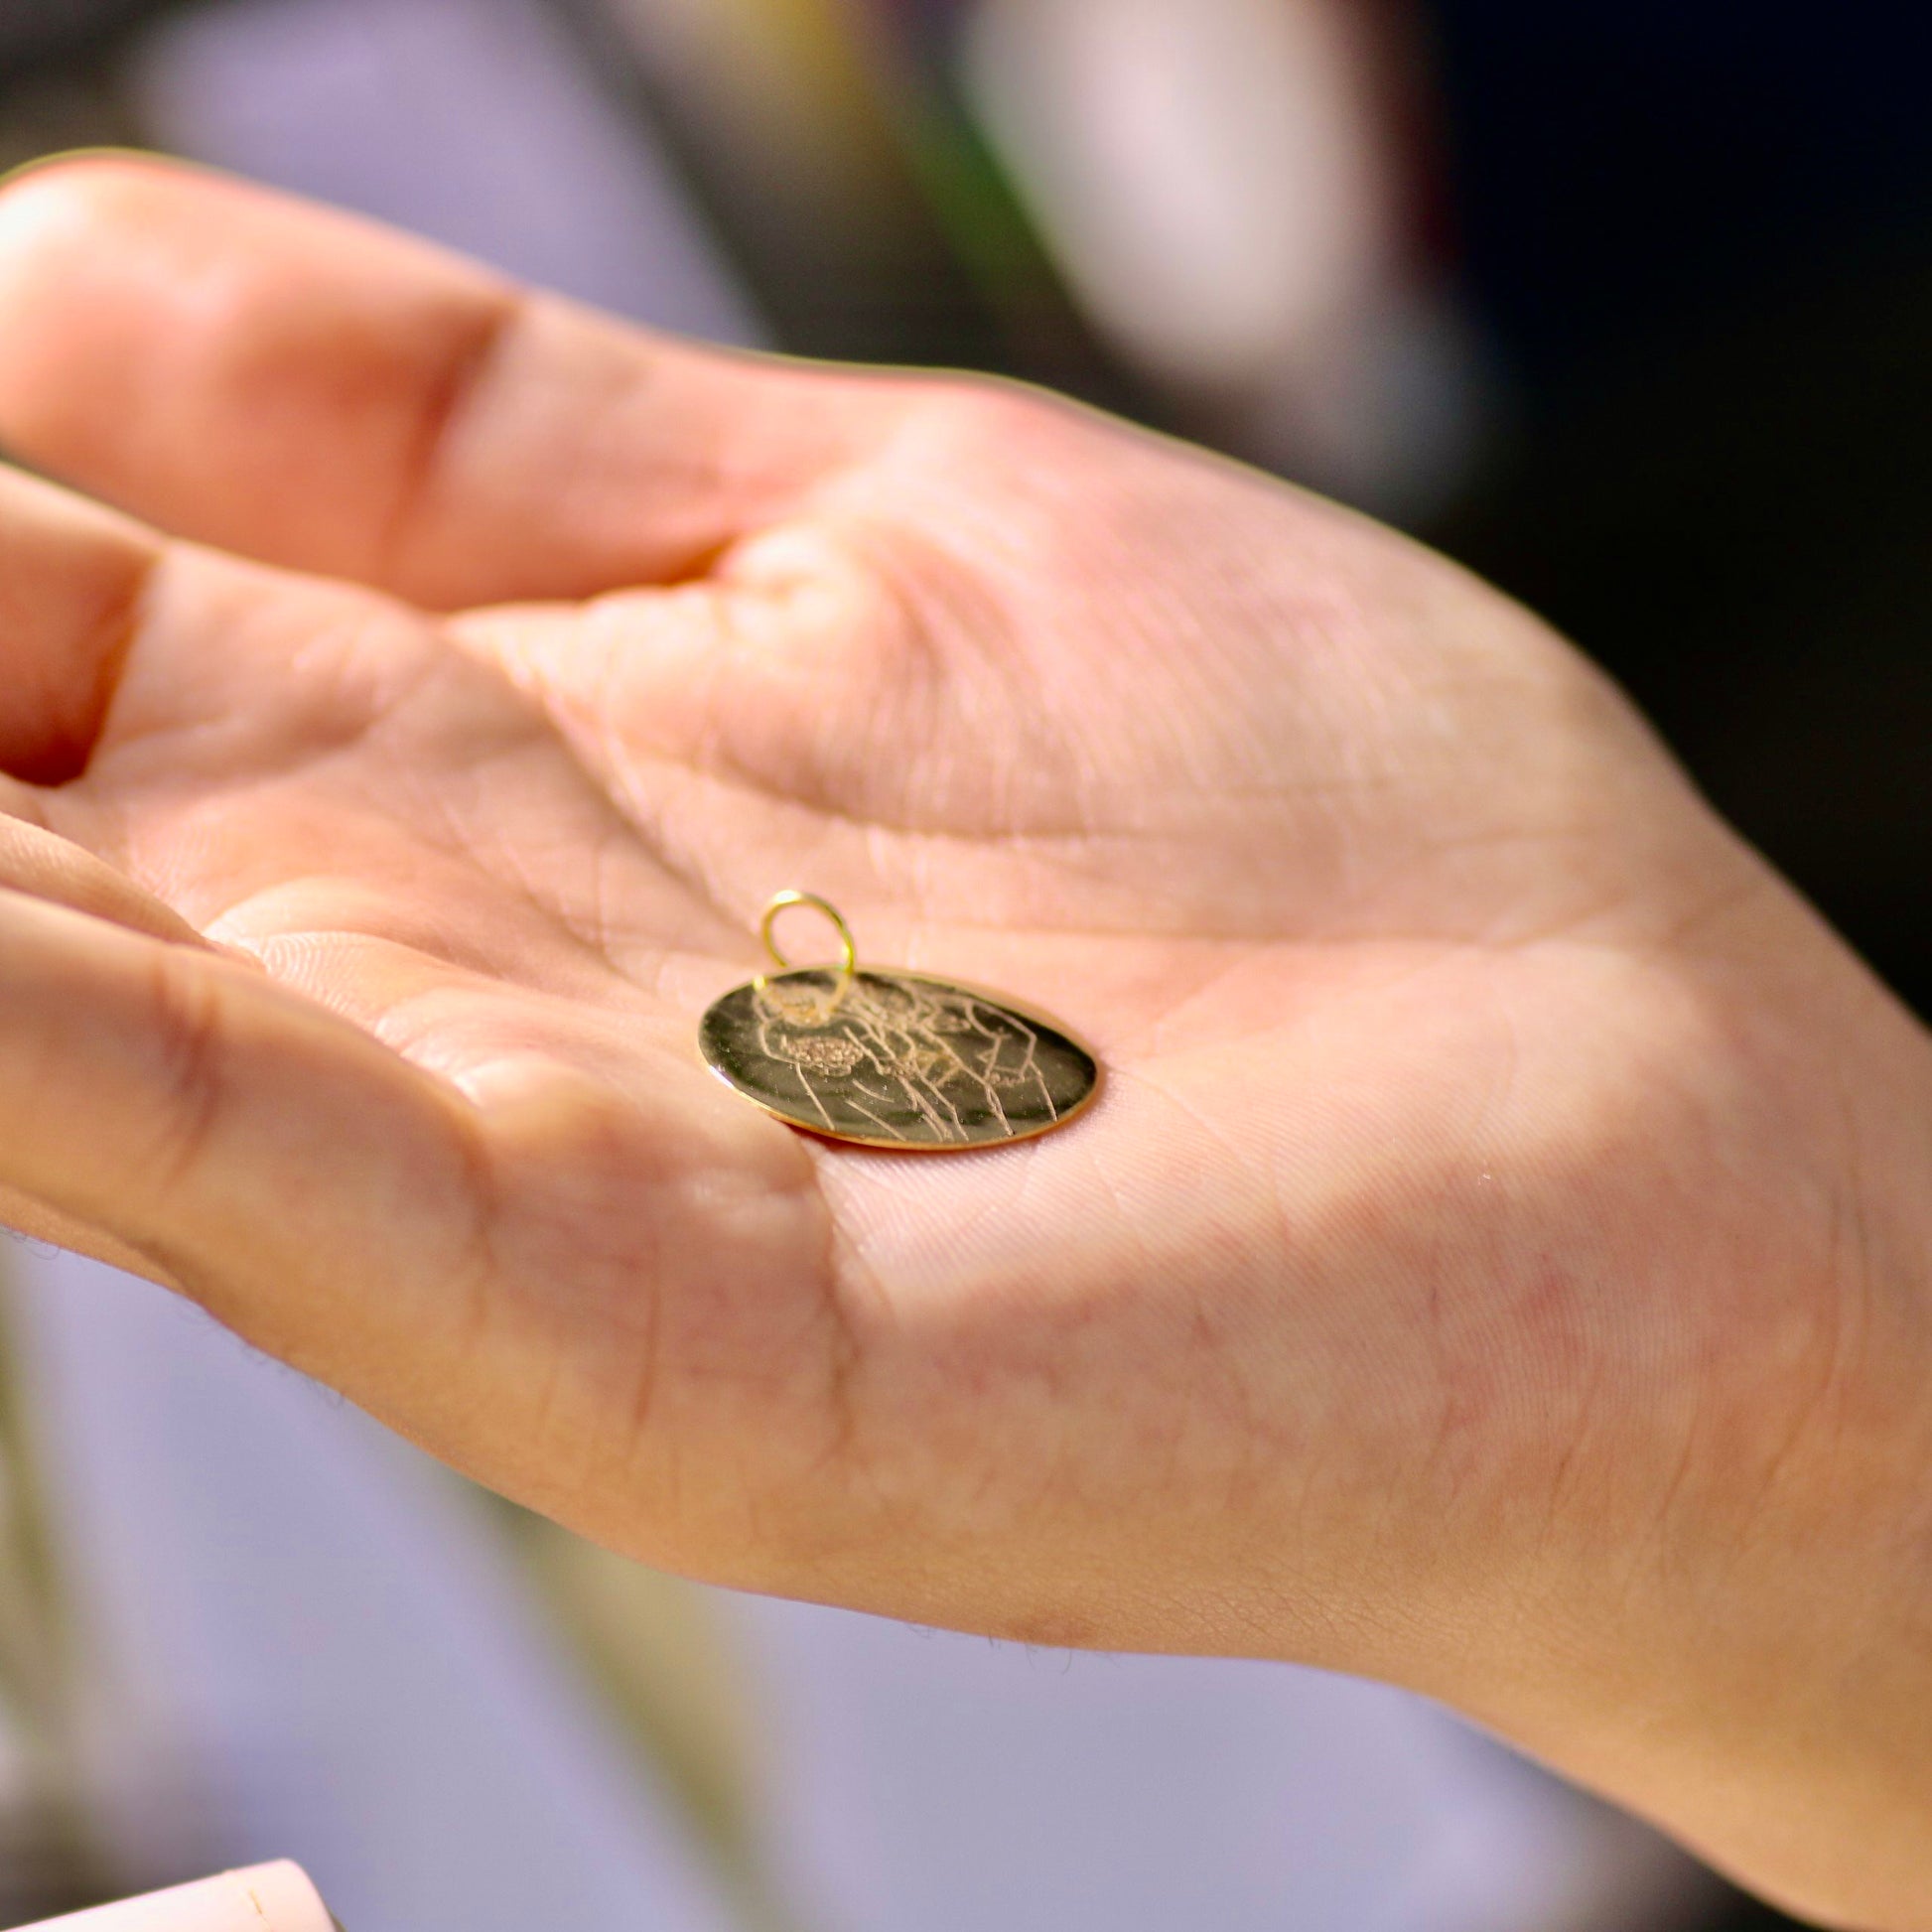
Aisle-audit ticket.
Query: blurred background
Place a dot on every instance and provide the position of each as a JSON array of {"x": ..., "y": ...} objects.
[{"x": 1622, "y": 302}]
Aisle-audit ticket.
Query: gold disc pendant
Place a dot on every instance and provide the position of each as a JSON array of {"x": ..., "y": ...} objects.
[{"x": 891, "y": 1060}]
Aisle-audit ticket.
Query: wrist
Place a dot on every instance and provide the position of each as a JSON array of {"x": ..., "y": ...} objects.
[{"x": 1745, "y": 1654}]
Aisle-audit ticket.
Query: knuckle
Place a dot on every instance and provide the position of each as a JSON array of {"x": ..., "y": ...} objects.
[
  {"x": 75, "y": 194},
  {"x": 984, "y": 418}
]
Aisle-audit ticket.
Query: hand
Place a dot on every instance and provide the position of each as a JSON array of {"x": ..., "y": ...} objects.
[{"x": 1496, "y": 1262}]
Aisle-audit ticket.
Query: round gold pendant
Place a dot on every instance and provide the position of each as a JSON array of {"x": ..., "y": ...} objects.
[{"x": 889, "y": 1060}]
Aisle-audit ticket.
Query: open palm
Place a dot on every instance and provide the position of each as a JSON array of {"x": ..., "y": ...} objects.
[{"x": 1459, "y": 1238}]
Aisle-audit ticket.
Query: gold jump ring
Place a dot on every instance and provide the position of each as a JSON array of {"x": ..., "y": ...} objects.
[{"x": 784, "y": 903}]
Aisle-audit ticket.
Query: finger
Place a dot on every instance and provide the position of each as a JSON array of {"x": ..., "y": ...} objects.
[
  {"x": 317, "y": 392},
  {"x": 72, "y": 580},
  {"x": 35, "y": 861},
  {"x": 176, "y": 1108},
  {"x": 31, "y": 1220}
]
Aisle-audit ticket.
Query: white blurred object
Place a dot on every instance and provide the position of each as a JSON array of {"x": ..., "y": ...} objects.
[
  {"x": 264, "y": 1899},
  {"x": 1218, "y": 182},
  {"x": 1214, "y": 179}
]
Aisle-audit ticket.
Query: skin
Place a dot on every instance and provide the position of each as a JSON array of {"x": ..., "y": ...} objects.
[{"x": 1496, "y": 1264}]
